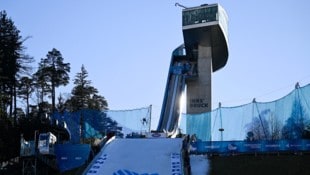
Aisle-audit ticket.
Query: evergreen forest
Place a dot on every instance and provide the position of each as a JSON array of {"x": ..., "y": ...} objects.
[{"x": 28, "y": 90}]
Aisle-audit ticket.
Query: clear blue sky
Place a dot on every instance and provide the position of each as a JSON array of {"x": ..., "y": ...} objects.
[{"x": 126, "y": 45}]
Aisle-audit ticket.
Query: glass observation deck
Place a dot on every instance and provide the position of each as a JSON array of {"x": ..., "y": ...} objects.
[
  {"x": 200, "y": 15},
  {"x": 206, "y": 25}
]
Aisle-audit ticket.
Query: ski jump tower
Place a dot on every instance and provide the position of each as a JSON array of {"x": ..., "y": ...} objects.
[
  {"x": 205, "y": 50},
  {"x": 206, "y": 44}
]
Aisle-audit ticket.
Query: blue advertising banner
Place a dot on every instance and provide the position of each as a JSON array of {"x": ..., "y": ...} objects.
[{"x": 250, "y": 147}]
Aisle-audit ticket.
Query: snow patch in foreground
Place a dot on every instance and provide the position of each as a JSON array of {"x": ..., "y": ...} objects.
[
  {"x": 199, "y": 164},
  {"x": 136, "y": 156}
]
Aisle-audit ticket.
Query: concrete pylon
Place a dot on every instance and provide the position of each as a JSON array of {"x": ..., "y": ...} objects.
[{"x": 199, "y": 89}]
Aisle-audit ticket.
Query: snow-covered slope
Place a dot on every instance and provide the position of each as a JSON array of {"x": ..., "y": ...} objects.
[
  {"x": 199, "y": 164},
  {"x": 161, "y": 156}
]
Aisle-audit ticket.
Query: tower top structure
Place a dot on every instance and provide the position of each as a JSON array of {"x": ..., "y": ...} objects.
[{"x": 206, "y": 25}]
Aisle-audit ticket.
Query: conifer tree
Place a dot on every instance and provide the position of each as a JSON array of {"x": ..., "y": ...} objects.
[
  {"x": 84, "y": 95},
  {"x": 52, "y": 73},
  {"x": 13, "y": 62}
]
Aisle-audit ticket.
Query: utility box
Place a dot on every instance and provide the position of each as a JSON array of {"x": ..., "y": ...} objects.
[{"x": 46, "y": 143}]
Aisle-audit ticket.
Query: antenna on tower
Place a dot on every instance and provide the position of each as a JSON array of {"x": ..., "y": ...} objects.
[{"x": 180, "y": 5}]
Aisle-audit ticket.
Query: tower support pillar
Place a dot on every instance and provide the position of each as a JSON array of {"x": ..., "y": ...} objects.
[{"x": 199, "y": 89}]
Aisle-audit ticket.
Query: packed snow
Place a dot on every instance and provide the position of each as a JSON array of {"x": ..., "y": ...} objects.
[
  {"x": 138, "y": 156},
  {"x": 199, "y": 164}
]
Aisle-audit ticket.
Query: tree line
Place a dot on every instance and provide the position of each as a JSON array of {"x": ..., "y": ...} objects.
[{"x": 21, "y": 82}]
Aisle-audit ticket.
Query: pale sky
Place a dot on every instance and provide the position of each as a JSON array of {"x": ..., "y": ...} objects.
[{"x": 126, "y": 46}]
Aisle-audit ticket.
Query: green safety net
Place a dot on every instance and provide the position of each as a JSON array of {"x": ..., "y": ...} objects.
[
  {"x": 87, "y": 123},
  {"x": 286, "y": 118}
]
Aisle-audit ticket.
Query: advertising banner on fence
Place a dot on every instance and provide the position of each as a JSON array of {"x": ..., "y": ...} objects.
[{"x": 250, "y": 147}]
